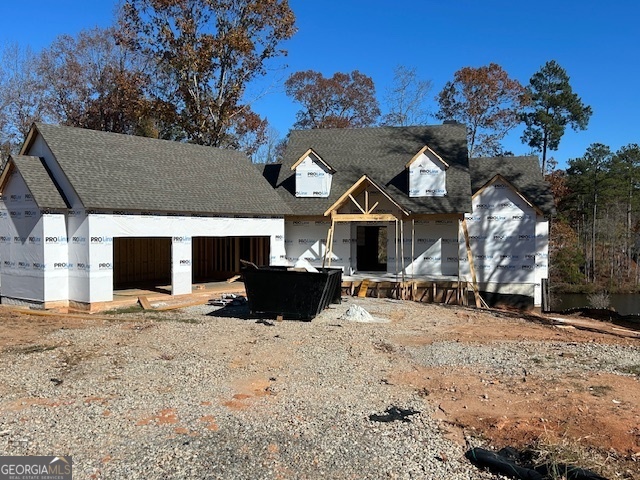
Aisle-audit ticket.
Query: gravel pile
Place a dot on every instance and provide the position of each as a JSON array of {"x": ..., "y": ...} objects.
[
  {"x": 204, "y": 392},
  {"x": 355, "y": 313}
]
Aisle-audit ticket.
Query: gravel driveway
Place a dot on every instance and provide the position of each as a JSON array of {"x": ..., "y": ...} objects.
[{"x": 194, "y": 393}]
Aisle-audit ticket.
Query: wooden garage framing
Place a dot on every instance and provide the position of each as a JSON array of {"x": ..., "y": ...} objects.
[
  {"x": 141, "y": 261},
  {"x": 218, "y": 258}
]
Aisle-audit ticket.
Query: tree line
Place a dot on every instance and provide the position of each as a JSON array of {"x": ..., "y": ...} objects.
[
  {"x": 180, "y": 70},
  {"x": 485, "y": 99},
  {"x": 595, "y": 238},
  {"x": 175, "y": 70}
]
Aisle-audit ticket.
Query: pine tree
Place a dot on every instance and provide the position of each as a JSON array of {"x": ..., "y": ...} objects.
[{"x": 553, "y": 106}]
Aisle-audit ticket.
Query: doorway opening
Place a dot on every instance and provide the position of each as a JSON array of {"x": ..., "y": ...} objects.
[{"x": 371, "y": 255}]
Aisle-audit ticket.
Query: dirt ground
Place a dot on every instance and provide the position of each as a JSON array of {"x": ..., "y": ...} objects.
[
  {"x": 596, "y": 410},
  {"x": 517, "y": 411},
  {"x": 599, "y": 411}
]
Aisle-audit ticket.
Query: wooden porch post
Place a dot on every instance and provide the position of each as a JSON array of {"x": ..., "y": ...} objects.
[{"x": 479, "y": 300}]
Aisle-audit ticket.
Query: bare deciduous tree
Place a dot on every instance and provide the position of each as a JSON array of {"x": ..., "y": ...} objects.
[
  {"x": 89, "y": 81},
  {"x": 20, "y": 99},
  {"x": 406, "y": 99}
]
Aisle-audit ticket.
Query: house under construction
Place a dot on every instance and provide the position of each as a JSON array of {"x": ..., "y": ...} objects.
[{"x": 84, "y": 213}]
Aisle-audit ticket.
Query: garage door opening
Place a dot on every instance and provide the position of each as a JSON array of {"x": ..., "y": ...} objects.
[
  {"x": 218, "y": 258},
  {"x": 143, "y": 263}
]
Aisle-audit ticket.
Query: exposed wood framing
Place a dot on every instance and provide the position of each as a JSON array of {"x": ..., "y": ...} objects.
[
  {"x": 402, "y": 249},
  {"x": 474, "y": 282},
  {"x": 365, "y": 217},
  {"x": 318, "y": 157},
  {"x": 426, "y": 149},
  {"x": 396, "y": 246},
  {"x": 356, "y": 188},
  {"x": 355, "y": 202},
  {"x": 6, "y": 173},
  {"x": 413, "y": 247},
  {"x": 328, "y": 250},
  {"x": 141, "y": 260},
  {"x": 218, "y": 258},
  {"x": 29, "y": 140}
]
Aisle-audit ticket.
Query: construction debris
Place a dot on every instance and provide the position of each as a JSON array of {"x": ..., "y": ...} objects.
[
  {"x": 355, "y": 313},
  {"x": 268, "y": 323},
  {"x": 228, "y": 299},
  {"x": 304, "y": 266},
  {"x": 144, "y": 303}
]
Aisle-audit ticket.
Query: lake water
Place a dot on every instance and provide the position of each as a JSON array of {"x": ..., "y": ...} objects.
[{"x": 624, "y": 303}]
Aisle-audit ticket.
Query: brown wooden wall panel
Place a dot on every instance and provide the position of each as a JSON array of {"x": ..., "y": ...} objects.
[
  {"x": 141, "y": 261},
  {"x": 218, "y": 258}
]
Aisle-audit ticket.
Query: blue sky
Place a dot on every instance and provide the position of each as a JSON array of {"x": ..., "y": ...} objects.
[{"x": 598, "y": 43}]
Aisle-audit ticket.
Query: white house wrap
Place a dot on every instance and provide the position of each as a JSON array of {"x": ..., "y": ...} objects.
[
  {"x": 427, "y": 175},
  {"x": 313, "y": 176}
]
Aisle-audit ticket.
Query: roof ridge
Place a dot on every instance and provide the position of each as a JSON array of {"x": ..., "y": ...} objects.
[
  {"x": 89, "y": 131},
  {"x": 382, "y": 127}
]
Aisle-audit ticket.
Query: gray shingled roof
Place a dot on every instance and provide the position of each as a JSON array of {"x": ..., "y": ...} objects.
[
  {"x": 35, "y": 175},
  {"x": 522, "y": 172},
  {"x": 114, "y": 171},
  {"x": 381, "y": 153}
]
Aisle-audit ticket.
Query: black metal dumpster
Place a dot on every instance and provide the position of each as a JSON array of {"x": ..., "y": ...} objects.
[{"x": 292, "y": 294}]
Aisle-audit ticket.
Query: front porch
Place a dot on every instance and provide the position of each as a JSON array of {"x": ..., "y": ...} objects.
[{"x": 444, "y": 289}]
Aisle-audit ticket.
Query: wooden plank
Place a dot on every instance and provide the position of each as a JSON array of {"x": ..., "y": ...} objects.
[
  {"x": 233, "y": 279},
  {"x": 373, "y": 208},
  {"x": 364, "y": 217},
  {"x": 383, "y": 287},
  {"x": 144, "y": 303},
  {"x": 474, "y": 282},
  {"x": 329, "y": 246},
  {"x": 355, "y": 202},
  {"x": 364, "y": 286},
  {"x": 338, "y": 203}
]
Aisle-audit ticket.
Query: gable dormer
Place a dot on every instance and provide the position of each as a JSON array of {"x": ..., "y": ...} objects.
[
  {"x": 427, "y": 174},
  {"x": 313, "y": 176}
]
